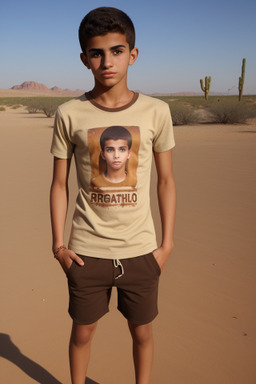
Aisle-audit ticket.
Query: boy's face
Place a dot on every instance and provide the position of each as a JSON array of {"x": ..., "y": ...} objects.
[
  {"x": 108, "y": 57},
  {"x": 116, "y": 153}
]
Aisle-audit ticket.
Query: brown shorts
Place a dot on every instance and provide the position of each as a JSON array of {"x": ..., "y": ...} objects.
[{"x": 136, "y": 280}]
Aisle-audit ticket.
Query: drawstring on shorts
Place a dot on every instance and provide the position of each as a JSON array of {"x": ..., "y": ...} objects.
[{"x": 117, "y": 263}]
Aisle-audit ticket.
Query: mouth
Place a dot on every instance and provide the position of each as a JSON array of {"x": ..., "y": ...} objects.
[{"x": 108, "y": 75}]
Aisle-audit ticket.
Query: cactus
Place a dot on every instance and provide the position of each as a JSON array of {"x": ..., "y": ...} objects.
[
  {"x": 241, "y": 81},
  {"x": 206, "y": 88}
]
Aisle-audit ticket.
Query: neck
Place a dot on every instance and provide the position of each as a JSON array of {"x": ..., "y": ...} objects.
[{"x": 112, "y": 97}]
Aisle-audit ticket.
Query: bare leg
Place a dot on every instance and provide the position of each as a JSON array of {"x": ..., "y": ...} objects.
[
  {"x": 79, "y": 351},
  {"x": 142, "y": 351}
]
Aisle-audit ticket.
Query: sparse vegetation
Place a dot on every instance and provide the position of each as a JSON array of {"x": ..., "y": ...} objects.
[
  {"x": 15, "y": 106},
  {"x": 34, "y": 106},
  {"x": 46, "y": 105},
  {"x": 218, "y": 109},
  {"x": 184, "y": 109},
  {"x": 183, "y": 114},
  {"x": 49, "y": 107},
  {"x": 232, "y": 112}
]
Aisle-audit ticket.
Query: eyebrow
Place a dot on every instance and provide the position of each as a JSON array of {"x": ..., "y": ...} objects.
[{"x": 112, "y": 48}]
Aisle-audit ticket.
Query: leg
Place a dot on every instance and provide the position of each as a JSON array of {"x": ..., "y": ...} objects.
[
  {"x": 79, "y": 351},
  {"x": 142, "y": 351}
]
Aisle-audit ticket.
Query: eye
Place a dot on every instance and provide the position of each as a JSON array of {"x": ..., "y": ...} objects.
[
  {"x": 95, "y": 55},
  {"x": 117, "y": 52},
  {"x": 122, "y": 149}
]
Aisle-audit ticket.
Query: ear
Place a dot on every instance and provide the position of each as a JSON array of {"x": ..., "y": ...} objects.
[
  {"x": 133, "y": 55},
  {"x": 129, "y": 154},
  {"x": 84, "y": 60},
  {"x": 102, "y": 155}
]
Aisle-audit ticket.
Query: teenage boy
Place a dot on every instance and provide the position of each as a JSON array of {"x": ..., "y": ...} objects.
[{"x": 112, "y": 246}]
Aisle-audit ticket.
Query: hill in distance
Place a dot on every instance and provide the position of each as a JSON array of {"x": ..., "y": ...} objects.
[{"x": 37, "y": 89}]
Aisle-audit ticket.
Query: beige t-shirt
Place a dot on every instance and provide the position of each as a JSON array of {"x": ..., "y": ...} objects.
[{"x": 112, "y": 220}]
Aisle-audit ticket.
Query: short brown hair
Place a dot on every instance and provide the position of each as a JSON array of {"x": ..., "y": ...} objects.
[
  {"x": 103, "y": 20},
  {"x": 115, "y": 132}
]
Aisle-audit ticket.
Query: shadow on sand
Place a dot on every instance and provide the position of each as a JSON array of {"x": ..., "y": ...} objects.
[{"x": 9, "y": 351}]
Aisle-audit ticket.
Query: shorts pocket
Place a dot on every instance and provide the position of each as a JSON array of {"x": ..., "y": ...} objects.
[
  {"x": 72, "y": 267},
  {"x": 155, "y": 263}
]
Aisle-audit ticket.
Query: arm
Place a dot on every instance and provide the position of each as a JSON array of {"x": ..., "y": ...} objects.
[
  {"x": 167, "y": 204},
  {"x": 59, "y": 205}
]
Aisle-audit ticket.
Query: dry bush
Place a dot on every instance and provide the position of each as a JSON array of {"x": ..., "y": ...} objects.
[
  {"x": 231, "y": 112},
  {"x": 218, "y": 109},
  {"x": 16, "y": 106},
  {"x": 183, "y": 114},
  {"x": 49, "y": 107},
  {"x": 46, "y": 105},
  {"x": 33, "y": 105}
]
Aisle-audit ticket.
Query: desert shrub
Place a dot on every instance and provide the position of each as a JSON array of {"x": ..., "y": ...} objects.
[
  {"x": 33, "y": 107},
  {"x": 2, "y": 109},
  {"x": 183, "y": 114},
  {"x": 15, "y": 106},
  {"x": 231, "y": 112},
  {"x": 49, "y": 106},
  {"x": 34, "y": 104},
  {"x": 46, "y": 105}
]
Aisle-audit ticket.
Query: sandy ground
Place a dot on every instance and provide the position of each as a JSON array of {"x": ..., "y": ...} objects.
[{"x": 205, "y": 333}]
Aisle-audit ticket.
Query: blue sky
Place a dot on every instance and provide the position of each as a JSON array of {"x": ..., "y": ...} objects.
[{"x": 179, "y": 42}]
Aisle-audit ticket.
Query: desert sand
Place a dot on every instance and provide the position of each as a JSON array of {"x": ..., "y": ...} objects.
[{"x": 206, "y": 330}]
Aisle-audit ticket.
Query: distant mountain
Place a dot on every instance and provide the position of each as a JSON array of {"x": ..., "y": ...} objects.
[
  {"x": 56, "y": 89},
  {"x": 37, "y": 88},
  {"x": 31, "y": 85}
]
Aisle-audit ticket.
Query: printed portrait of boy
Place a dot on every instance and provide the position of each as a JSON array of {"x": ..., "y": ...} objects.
[{"x": 114, "y": 157}]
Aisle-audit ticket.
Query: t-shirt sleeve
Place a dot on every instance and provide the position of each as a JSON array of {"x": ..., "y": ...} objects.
[
  {"x": 61, "y": 147},
  {"x": 164, "y": 137}
]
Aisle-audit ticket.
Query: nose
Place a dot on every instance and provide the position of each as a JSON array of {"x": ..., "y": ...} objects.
[
  {"x": 106, "y": 60},
  {"x": 116, "y": 153}
]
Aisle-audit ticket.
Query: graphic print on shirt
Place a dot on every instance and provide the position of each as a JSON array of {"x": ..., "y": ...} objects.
[{"x": 114, "y": 162}]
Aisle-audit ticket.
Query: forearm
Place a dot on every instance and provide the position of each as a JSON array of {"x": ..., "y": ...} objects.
[
  {"x": 167, "y": 206},
  {"x": 58, "y": 205}
]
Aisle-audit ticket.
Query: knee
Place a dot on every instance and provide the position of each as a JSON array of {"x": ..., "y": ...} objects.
[
  {"x": 141, "y": 334},
  {"x": 82, "y": 334}
]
